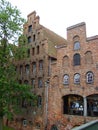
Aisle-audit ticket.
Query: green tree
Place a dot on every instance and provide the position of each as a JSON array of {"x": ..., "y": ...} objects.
[{"x": 11, "y": 91}]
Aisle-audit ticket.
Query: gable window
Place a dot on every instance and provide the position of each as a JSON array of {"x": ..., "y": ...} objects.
[
  {"x": 41, "y": 65},
  {"x": 89, "y": 77},
  {"x": 21, "y": 70},
  {"x": 33, "y": 83},
  {"x": 76, "y": 45},
  {"x": 39, "y": 101},
  {"x": 26, "y": 82},
  {"x": 77, "y": 78},
  {"x": 27, "y": 69},
  {"x": 29, "y": 39},
  {"x": 30, "y": 28},
  {"x": 37, "y": 49},
  {"x": 40, "y": 83},
  {"x": 28, "y": 53},
  {"x": 33, "y": 51},
  {"x": 66, "y": 79},
  {"x": 34, "y": 67},
  {"x": 76, "y": 59},
  {"x": 34, "y": 37}
]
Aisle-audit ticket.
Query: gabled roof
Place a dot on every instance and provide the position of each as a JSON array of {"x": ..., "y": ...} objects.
[{"x": 53, "y": 40}]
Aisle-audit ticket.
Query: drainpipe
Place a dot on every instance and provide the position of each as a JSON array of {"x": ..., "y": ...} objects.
[
  {"x": 85, "y": 106},
  {"x": 46, "y": 110}
]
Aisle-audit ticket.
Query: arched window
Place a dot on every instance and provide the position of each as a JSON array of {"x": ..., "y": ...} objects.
[
  {"x": 39, "y": 101},
  {"x": 76, "y": 59},
  {"x": 77, "y": 78},
  {"x": 76, "y": 45},
  {"x": 54, "y": 127},
  {"x": 88, "y": 57},
  {"x": 66, "y": 79},
  {"x": 89, "y": 77}
]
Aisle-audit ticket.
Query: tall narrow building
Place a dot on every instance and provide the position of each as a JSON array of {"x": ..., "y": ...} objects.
[{"x": 36, "y": 70}]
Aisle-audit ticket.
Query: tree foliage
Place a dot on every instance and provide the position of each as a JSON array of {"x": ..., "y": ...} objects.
[{"x": 11, "y": 91}]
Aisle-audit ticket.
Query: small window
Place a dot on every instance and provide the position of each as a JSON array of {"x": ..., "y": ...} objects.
[
  {"x": 26, "y": 82},
  {"x": 34, "y": 67},
  {"x": 77, "y": 78},
  {"x": 66, "y": 79},
  {"x": 30, "y": 28},
  {"x": 21, "y": 70},
  {"x": 24, "y": 122},
  {"x": 76, "y": 59},
  {"x": 40, "y": 83},
  {"x": 29, "y": 39},
  {"x": 33, "y": 51},
  {"x": 54, "y": 127},
  {"x": 89, "y": 77},
  {"x": 34, "y": 37},
  {"x": 39, "y": 101},
  {"x": 27, "y": 67},
  {"x": 28, "y": 53},
  {"x": 33, "y": 83},
  {"x": 37, "y": 49},
  {"x": 77, "y": 45},
  {"x": 41, "y": 65}
]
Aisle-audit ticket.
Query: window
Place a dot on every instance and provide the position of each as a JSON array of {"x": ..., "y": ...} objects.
[
  {"x": 34, "y": 67},
  {"x": 89, "y": 77},
  {"x": 27, "y": 69},
  {"x": 24, "y": 122},
  {"x": 37, "y": 49},
  {"x": 39, "y": 101},
  {"x": 29, "y": 39},
  {"x": 77, "y": 78},
  {"x": 41, "y": 65},
  {"x": 33, "y": 51},
  {"x": 54, "y": 127},
  {"x": 28, "y": 53},
  {"x": 66, "y": 79},
  {"x": 21, "y": 70},
  {"x": 26, "y": 82},
  {"x": 30, "y": 28},
  {"x": 40, "y": 83},
  {"x": 77, "y": 45},
  {"x": 33, "y": 37},
  {"x": 33, "y": 83},
  {"x": 76, "y": 59}
]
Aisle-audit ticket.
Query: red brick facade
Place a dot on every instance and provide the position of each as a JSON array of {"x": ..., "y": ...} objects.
[
  {"x": 53, "y": 58},
  {"x": 88, "y": 52}
]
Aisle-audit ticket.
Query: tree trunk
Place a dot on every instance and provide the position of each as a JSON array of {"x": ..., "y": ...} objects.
[{"x": 1, "y": 123}]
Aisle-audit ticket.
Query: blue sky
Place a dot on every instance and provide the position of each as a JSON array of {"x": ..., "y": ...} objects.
[{"x": 57, "y": 15}]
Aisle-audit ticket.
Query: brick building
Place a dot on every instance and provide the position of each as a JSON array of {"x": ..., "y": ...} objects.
[
  {"x": 63, "y": 73},
  {"x": 73, "y": 91},
  {"x": 36, "y": 71}
]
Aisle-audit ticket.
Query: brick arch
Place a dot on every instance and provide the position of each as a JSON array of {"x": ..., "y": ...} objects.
[
  {"x": 65, "y": 61},
  {"x": 55, "y": 80},
  {"x": 76, "y": 38},
  {"x": 88, "y": 57}
]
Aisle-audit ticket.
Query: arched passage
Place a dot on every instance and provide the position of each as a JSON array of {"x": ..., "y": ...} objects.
[
  {"x": 92, "y": 105},
  {"x": 73, "y": 104}
]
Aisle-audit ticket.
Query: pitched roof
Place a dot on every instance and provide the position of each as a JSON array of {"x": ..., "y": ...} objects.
[{"x": 53, "y": 40}]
